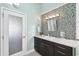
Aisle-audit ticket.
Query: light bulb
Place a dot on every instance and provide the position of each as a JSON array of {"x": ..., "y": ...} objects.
[
  {"x": 57, "y": 14},
  {"x": 50, "y": 16},
  {"x": 53, "y": 16}
]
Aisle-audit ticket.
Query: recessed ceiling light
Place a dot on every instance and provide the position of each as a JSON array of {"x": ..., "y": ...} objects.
[{"x": 16, "y": 5}]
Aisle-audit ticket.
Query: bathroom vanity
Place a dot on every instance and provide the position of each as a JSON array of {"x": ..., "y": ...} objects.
[{"x": 51, "y": 46}]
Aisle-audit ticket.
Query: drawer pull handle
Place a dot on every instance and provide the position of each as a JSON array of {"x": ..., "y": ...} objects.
[
  {"x": 60, "y": 47},
  {"x": 61, "y": 52}
]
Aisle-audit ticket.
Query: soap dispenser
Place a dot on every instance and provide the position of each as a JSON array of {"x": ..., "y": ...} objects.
[{"x": 48, "y": 34}]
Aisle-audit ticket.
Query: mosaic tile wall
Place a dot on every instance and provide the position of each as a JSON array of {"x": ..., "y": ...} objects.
[{"x": 65, "y": 23}]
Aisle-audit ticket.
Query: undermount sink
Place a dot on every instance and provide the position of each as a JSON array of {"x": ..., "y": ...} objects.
[{"x": 48, "y": 37}]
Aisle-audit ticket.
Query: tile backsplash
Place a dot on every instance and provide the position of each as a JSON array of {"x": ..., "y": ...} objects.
[{"x": 65, "y": 23}]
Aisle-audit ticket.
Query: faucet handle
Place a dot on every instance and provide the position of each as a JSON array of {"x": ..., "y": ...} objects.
[{"x": 48, "y": 34}]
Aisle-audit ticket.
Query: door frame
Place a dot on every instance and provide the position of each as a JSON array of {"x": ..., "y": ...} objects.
[{"x": 2, "y": 32}]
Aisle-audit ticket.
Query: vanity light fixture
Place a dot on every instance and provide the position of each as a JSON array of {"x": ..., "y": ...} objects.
[
  {"x": 53, "y": 16},
  {"x": 56, "y": 15},
  {"x": 50, "y": 16}
]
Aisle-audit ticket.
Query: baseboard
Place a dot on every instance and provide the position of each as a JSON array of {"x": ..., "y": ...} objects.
[
  {"x": 29, "y": 52},
  {"x": 23, "y": 53}
]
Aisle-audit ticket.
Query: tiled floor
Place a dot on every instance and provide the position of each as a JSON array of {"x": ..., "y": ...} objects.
[{"x": 34, "y": 53}]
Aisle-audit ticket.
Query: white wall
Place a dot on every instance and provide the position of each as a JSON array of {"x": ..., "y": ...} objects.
[{"x": 32, "y": 11}]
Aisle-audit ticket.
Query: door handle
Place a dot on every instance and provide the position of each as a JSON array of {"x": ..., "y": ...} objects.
[
  {"x": 3, "y": 37},
  {"x": 24, "y": 36}
]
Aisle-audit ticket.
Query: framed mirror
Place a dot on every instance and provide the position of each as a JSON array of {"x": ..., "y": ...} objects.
[{"x": 52, "y": 24}]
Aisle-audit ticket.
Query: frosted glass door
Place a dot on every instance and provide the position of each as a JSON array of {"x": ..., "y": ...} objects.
[{"x": 15, "y": 34}]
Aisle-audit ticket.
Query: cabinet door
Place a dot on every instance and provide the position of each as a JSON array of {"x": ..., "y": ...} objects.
[
  {"x": 50, "y": 50},
  {"x": 36, "y": 44},
  {"x": 47, "y": 50},
  {"x": 43, "y": 49}
]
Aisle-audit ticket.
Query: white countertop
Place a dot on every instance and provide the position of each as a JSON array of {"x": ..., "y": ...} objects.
[{"x": 67, "y": 42}]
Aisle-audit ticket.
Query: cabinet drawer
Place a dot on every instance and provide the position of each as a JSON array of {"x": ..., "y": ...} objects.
[
  {"x": 59, "y": 53},
  {"x": 62, "y": 47},
  {"x": 64, "y": 50}
]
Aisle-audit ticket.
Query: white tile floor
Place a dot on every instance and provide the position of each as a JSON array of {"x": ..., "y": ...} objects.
[{"x": 34, "y": 53}]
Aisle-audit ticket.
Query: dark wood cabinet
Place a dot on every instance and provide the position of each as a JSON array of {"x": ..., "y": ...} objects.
[
  {"x": 47, "y": 48},
  {"x": 50, "y": 50},
  {"x": 43, "y": 49}
]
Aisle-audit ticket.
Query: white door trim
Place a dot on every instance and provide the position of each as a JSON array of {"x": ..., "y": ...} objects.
[{"x": 2, "y": 31}]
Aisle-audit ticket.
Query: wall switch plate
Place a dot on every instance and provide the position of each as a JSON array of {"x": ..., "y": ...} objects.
[{"x": 62, "y": 34}]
